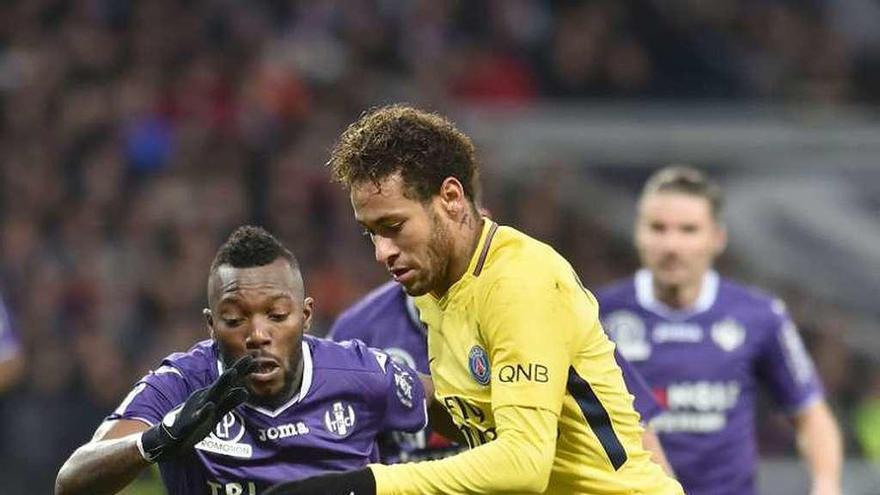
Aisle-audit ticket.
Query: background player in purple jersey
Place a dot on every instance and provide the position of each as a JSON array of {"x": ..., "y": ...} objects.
[
  {"x": 703, "y": 343},
  {"x": 259, "y": 402},
  {"x": 388, "y": 319}
]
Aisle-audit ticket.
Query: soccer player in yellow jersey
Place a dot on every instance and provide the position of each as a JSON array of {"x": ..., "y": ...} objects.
[{"x": 517, "y": 355}]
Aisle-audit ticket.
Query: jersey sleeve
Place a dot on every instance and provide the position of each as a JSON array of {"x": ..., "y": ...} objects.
[
  {"x": 518, "y": 461},
  {"x": 403, "y": 395},
  {"x": 153, "y": 396},
  {"x": 644, "y": 402},
  {"x": 785, "y": 366},
  {"x": 527, "y": 327}
]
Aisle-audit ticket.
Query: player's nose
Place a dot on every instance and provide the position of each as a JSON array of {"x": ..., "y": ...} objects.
[
  {"x": 260, "y": 334},
  {"x": 385, "y": 250},
  {"x": 669, "y": 242}
]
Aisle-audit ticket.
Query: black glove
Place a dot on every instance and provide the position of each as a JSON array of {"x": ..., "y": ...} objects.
[
  {"x": 360, "y": 482},
  {"x": 189, "y": 423}
]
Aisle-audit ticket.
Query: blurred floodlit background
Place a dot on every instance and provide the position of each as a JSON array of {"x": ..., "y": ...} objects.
[{"x": 134, "y": 135}]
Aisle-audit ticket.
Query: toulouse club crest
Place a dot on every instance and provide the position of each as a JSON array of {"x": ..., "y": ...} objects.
[
  {"x": 728, "y": 334},
  {"x": 339, "y": 419},
  {"x": 478, "y": 364}
]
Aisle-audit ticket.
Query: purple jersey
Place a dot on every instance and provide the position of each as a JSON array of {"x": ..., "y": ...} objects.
[
  {"x": 644, "y": 401},
  {"x": 703, "y": 365},
  {"x": 349, "y": 394},
  {"x": 386, "y": 318}
]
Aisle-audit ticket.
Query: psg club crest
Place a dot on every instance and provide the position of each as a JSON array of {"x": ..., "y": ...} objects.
[
  {"x": 478, "y": 363},
  {"x": 728, "y": 334}
]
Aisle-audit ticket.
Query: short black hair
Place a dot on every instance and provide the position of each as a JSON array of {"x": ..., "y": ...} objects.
[
  {"x": 424, "y": 147},
  {"x": 249, "y": 246},
  {"x": 686, "y": 180}
]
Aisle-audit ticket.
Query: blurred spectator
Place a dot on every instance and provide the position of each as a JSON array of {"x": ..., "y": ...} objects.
[{"x": 11, "y": 359}]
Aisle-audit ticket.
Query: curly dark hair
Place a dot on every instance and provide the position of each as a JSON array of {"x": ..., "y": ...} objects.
[
  {"x": 425, "y": 148},
  {"x": 249, "y": 246},
  {"x": 686, "y": 180}
]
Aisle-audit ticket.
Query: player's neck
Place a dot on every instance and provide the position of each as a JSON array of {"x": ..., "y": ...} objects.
[
  {"x": 678, "y": 296},
  {"x": 466, "y": 234}
]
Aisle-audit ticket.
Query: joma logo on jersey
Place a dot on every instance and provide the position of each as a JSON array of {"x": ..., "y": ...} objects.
[
  {"x": 531, "y": 372},
  {"x": 284, "y": 431}
]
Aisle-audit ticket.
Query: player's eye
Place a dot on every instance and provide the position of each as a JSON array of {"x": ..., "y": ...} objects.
[
  {"x": 278, "y": 316},
  {"x": 233, "y": 322},
  {"x": 392, "y": 228}
]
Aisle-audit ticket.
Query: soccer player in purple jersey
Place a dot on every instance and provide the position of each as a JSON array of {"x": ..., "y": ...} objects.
[
  {"x": 256, "y": 404},
  {"x": 704, "y": 343},
  {"x": 387, "y": 318}
]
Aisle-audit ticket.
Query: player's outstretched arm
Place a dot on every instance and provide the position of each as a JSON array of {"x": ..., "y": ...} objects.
[
  {"x": 519, "y": 461},
  {"x": 106, "y": 464},
  {"x": 122, "y": 449},
  {"x": 820, "y": 445}
]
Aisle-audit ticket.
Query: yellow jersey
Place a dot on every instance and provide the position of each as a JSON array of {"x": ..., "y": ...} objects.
[{"x": 517, "y": 353}]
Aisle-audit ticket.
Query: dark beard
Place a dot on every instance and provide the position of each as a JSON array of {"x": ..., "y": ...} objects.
[
  {"x": 439, "y": 252},
  {"x": 291, "y": 386}
]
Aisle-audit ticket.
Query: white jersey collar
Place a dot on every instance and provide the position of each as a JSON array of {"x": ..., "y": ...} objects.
[
  {"x": 305, "y": 385},
  {"x": 644, "y": 284}
]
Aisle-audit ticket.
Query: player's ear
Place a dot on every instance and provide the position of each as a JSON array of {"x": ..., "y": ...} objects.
[
  {"x": 209, "y": 320},
  {"x": 452, "y": 197},
  {"x": 308, "y": 310}
]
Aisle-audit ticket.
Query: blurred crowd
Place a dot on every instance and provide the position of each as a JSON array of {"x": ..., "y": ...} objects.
[{"x": 135, "y": 135}]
